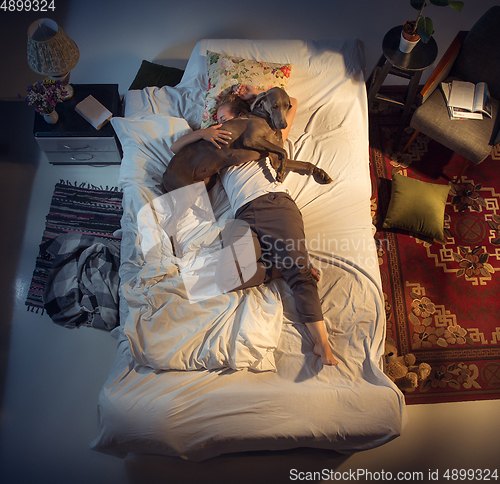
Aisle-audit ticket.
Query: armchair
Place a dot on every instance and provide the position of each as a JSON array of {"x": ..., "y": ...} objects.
[{"x": 472, "y": 56}]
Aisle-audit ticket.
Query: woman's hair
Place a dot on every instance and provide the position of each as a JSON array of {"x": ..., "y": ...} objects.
[{"x": 237, "y": 104}]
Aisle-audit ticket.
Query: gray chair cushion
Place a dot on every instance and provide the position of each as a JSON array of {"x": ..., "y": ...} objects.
[{"x": 471, "y": 138}]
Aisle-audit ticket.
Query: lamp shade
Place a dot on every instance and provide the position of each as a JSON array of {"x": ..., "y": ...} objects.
[{"x": 50, "y": 51}]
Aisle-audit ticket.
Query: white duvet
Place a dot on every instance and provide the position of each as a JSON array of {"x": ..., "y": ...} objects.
[{"x": 215, "y": 409}]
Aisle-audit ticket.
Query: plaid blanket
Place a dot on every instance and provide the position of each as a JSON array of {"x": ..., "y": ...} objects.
[{"x": 82, "y": 288}]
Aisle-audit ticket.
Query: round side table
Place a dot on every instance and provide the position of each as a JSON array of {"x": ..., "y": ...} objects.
[{"x": 408, "y": 66}]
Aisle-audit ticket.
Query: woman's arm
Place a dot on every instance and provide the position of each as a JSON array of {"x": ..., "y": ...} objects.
[{"x": 212, "y": 134}]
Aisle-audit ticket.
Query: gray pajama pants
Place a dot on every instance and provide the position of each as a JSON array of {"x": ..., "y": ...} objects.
[{"x": 277, "y": 236}]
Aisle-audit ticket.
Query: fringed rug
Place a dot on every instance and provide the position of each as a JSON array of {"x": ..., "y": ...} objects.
[
  {"x": 442, "y": 299},
  {"x": 79, "y": 208}
]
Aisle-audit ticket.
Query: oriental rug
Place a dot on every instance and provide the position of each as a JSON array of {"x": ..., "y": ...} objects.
[
  {"x": 79, "y": 208},
  {"x": 442, "y": 299}
]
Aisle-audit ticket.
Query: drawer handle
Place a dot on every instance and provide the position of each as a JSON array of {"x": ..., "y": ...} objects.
[
  {"x": 68, "y": 147},
  {"x": 82, "y": 157}
]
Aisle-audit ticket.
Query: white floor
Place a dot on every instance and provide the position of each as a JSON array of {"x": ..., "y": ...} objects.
[
  {"x": 49, "y": 413},
  {"x": 53, "y": 375}
]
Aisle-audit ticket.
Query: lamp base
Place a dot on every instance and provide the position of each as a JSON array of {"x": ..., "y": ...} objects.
[
  {"x": 64, "y": 80},
  {"x": 69, "y": 92}
]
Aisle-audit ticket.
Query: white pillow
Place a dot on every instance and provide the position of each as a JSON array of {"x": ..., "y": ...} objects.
[{"x": 146, "y": 142}]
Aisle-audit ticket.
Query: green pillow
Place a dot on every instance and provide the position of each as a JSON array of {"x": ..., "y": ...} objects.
[
  {"x": 417, "y": 206},
  {"x": 151, "y": 74}
]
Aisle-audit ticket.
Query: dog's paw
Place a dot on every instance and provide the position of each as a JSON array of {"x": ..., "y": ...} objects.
[{"x": 321, "y": 176}]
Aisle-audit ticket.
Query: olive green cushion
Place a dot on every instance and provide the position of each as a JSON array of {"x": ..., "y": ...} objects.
[
  {"x": 417, "y": 206},
  {"x": 151, "y": 74}
]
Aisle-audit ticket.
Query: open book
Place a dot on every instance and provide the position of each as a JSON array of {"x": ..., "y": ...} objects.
[{"x": 467, "y": 100}]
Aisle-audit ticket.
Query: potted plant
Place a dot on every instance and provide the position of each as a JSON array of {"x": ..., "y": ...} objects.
[
  {"x": 422, "y": 28},
  {"x": 43, "y": 96}
]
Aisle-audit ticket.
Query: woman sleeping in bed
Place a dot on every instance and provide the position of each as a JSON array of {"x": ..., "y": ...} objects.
[{"x": 276, "y": 224}]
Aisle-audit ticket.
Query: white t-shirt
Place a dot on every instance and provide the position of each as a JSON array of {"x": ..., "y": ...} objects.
[{"x": 244, "y": 183}]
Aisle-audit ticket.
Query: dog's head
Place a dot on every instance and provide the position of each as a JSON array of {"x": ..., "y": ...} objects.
[{"x": 272, "y": 105}]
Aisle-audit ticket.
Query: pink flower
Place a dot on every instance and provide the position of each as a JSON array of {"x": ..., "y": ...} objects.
[{"x": 44, "y": 95}]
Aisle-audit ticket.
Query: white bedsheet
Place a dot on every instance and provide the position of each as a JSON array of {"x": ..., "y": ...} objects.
[{"x": 200, "y": 414}]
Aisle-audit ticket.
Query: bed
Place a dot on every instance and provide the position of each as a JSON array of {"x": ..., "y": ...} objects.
[{"x": 235, "y": 372}]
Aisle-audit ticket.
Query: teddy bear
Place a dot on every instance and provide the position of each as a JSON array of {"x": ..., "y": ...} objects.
[{"x": 402, "y": 369}]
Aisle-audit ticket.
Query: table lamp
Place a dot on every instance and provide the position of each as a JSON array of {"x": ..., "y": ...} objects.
[{"x": 51, "y": 52}]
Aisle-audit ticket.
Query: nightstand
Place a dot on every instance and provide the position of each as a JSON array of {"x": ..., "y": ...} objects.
[
  {"x": 408, "y": 66},
  {"x": 73, "y": 140}
]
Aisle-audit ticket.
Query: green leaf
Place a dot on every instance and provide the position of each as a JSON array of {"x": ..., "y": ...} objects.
[
  {"x": 483, "y": 258},
  {"x": 426, "y": 384},
  {"x": 440, "y": 3},
  {"x": 484, "y": 272},
  {"x": 414, "y": 319},
  {"x": 425, "y": 29},
  {"x": 457, "y": 6},
  {"x": 476, "y": 250},
  {"x": 414, "y": 295},
  {"x": 417, "y": 4}
]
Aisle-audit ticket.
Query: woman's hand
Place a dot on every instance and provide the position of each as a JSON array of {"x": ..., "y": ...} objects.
[
  {"x": 216, "y": 135},
  {"x": 246, "y": 92}
]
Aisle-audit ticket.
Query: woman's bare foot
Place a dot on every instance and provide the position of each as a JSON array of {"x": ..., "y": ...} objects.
[{"x": 321, "y": 344}]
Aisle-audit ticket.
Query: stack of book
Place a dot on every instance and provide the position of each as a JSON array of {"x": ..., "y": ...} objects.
[{"x": 466, "y": 100}]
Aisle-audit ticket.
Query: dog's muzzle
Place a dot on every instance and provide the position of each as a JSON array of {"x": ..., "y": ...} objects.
[{"x": 279, "y": 123}]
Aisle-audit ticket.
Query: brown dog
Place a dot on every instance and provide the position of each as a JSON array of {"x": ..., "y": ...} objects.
[{"x": 253, "y": 136}]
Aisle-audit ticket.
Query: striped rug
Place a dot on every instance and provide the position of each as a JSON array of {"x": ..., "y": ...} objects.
[{"x": 79, "y": 208}]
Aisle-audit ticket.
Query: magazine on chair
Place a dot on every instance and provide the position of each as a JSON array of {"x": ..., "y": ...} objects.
[{"x": 466, "y": 100}]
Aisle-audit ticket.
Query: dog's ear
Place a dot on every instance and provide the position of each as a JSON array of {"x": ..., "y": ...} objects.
[{"x": 258, "y": 101}]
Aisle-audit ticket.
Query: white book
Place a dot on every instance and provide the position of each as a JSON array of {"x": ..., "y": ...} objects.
[
  {"x": 94, "y": 112},
  {"x": 467, "y": 100}
]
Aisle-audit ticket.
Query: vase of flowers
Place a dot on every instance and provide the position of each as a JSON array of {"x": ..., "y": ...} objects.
[{"x": 43, "y": 96}]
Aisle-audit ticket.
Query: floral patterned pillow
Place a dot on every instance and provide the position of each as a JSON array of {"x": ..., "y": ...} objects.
[{"x": 225, "y": 72}]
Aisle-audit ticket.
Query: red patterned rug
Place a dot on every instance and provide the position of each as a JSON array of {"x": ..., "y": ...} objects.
[{"x": 442, "y": 299}]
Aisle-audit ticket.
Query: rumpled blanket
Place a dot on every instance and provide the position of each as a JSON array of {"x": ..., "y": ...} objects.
[{"x": 82, "y": 288}]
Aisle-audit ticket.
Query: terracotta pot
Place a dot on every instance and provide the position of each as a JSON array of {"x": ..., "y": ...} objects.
[{"x": 408, "y": 39}]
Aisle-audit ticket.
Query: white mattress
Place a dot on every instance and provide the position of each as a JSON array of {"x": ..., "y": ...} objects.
[{"x": 253, "y": 371}]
